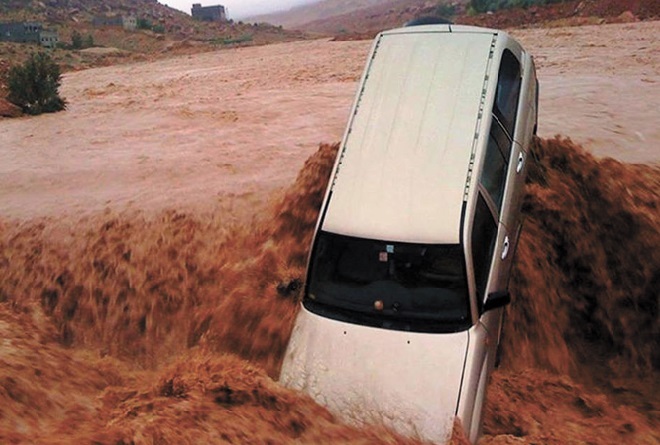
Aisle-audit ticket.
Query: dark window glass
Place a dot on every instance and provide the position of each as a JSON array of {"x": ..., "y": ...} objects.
[
  {"x": 493, "y": 174},
  {"x": 503, "y": 141},
  {"x": 508, "y": 90},
  {"x": 393, "y": 285},
  {"x": 484, "y": 235}
]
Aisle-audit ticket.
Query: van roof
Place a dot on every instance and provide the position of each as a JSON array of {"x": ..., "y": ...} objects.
[{"x": 408, "y": 150}]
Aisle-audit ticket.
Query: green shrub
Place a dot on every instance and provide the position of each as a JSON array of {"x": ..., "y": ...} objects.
[
  {"x": 143, "y": 23},
  {"x": 76, "y": 40},
  {"x": 241, "y": 39},
  {"x": 34, "y": 85},
  {"x": 445, "y": 10},
  {"x": 479, "y": 6},
  {"x": 80, "y": 42}
]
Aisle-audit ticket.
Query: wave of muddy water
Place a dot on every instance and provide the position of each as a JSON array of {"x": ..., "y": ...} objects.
[{"x": 127, "y": 328}]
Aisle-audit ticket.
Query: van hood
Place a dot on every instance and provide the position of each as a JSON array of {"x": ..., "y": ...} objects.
[{"x": 405, "y": 380}]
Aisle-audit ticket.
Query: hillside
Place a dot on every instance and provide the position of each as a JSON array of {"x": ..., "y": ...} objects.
[
  {"x": 383, "y": 15},
  {"x": 164, "y": 32},
  {"x": 324, "y": 9},
  {"x": 163, "y": 29},
  {"x": 77, "y": 10},
  {"x": 175, "y": 24},
  {"x": 365, "y": 18},
  {"x": 79, "y": 13},
  {"x": 571, "y": 13}
]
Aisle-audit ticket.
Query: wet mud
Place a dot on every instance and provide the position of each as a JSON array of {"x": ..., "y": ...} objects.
[{"x": 170, "y": 328}]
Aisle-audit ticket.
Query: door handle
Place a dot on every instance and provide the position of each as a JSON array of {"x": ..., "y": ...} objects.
[
  {"x": 521, "y": 161},
  {"x": 505, "y": 247}
]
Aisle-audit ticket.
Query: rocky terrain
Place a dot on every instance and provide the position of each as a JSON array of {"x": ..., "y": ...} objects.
[
  {"x": 176, "y": 25},
  {"x": 325, "y": 9},
  {"x": 176, "y": 32},
  {"x": 372, "y": 17},
  {"x": 570, "y": 13}
]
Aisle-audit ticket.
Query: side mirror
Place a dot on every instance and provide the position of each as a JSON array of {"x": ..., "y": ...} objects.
[{"x": 496, "y": 300}]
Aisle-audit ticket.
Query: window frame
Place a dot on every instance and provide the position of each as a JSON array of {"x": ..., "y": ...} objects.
[
  {"x": 481, "y": 279},
  {"x": 509, "y": 72},
  {"x": 498, "y": 135}
]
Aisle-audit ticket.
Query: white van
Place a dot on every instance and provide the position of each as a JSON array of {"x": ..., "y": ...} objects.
[{"x": 408, "y": 273}]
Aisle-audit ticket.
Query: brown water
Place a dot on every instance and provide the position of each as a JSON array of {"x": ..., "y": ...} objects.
[{"x": 129, "y": 328}]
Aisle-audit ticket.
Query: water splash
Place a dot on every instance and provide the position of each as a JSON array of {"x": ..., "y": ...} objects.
[{"x": 133, "y": 328}]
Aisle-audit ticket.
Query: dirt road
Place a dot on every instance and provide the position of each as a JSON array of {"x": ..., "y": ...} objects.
[{"x": 224, "y": 129}]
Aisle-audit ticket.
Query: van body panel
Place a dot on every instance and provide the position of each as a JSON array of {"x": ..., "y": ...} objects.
[
  {"x": 405, "y": 159},
  {"x": 408, "y": 381},
  {"x": 528, "y": 111},
  {"x": 478, "y": 365},
  {"x": 520, "y": 158}
]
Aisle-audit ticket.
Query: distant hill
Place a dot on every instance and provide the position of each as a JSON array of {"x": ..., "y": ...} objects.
[
  {"x": 323, "y": 9},
  {"x": 63, "y": 11},
  {"x": 65, "y": 14},
  {"x": 383, "y": 15},
  {"x": 346, "y": 19},
  {"x": 164, "y": 32},
  {"x": 355, "y": 16}
]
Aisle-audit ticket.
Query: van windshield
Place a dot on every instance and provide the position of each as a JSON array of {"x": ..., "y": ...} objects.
[{"x": 393, "y": 285}]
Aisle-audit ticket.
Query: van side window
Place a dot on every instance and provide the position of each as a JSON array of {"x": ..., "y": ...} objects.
[
  {"x": 484, "y": 235},
  {"x": 508, "y": 90},
  {"x": 493, "y": 174}
]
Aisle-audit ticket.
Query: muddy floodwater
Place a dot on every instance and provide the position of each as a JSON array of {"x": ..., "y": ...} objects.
[{"x": 153, "y": 238}]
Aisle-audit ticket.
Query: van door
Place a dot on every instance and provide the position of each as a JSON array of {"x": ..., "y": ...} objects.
[
  {"x": 486, "y": 240},
  {"x": 506, "y": 120},
  {"x": 493, "y": 184}
]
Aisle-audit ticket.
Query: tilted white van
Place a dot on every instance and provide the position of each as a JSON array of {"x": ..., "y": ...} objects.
[{"x": 408, "y": 273}]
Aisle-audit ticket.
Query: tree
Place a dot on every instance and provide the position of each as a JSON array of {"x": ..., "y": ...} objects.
[
  {"x": 446, "y": 10},
  {"x": 480, "y": 6},
  {"x": 143, "y": 23},
  {"x": 34, "y": 85},
  {"x": 76, "y": 40},
  {"x": 89, "y": 41}
]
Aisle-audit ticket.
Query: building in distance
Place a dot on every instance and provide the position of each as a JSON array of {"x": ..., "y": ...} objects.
[
  {"x": 216, "y": 13},
  {"x": 129, "y": 23},
  {"x": 28, "y": 32}
]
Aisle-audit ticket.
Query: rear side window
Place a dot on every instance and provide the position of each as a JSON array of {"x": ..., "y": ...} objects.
[
  {"x": 484, "y": 235},
  {"x": 493, "y": 174},
  {"x": 508, "y": 90}
]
